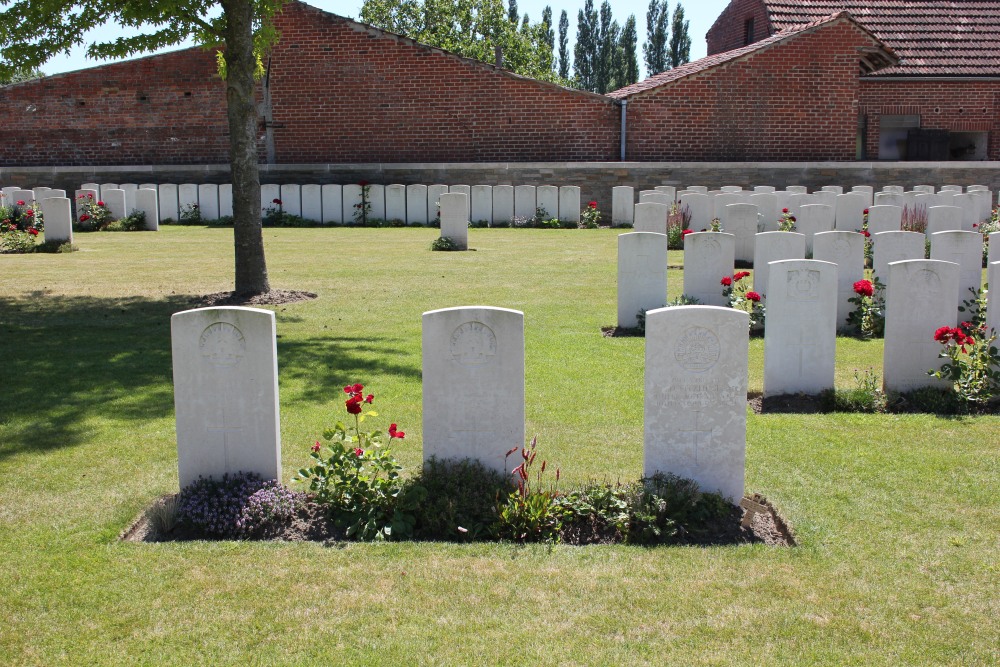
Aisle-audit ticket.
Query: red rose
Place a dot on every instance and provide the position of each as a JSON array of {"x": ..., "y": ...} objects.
[
  {"x": 363, "y": 183},
  {"x": 784, "y": 210},
  {"x": 866, "y": 211},
  {"x": 90, "y": 195},
  {"x": 592, "y": 204},
  {"x": 866, "y": 233},
  {"x": 32, "y": 231},
  {"x": 943, "y": 334},
  {"x": 315, "y": 447},
  {"x": 29, "y": 213},
  {"x": 84, "y": 218},
  {"x": 276, "y": 201},
  {"x": 741, "y": 275},
  {"x": 726, "y": 280},
  {"x": 353, "y": 406},
  {"x": 687, "y": 231},
  {"x": 20, "y": 202},
  {"x": 864, "y": 288},
  {"x": 753, "y": 296},
  {"x": 359, "y": 452},
  {"x": 100, "y": 203},
  {"x": 394, "y": 433},
  {"x": 369, "y": 398},
  {"x": 357, "y": 388}
]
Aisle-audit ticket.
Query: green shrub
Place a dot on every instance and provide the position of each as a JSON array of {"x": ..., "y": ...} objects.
[
  {"x": 461, "y": 500},
  {"x": 444, "y": 243},
  {"x": 664, "y": 508},
  {"x": 133, "y": 222}
]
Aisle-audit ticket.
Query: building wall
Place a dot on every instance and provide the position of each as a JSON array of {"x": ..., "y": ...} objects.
[
  {"x": 728, "y": 31},
  {"x": 954, "y": 105},
  {"x": 795, "y": 100},
  {"x": 165, "y": 109},
  {"x": 344, "y": 93}
]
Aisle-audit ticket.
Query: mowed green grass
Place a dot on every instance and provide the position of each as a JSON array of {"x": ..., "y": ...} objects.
[{"x": 897, "y": 515}]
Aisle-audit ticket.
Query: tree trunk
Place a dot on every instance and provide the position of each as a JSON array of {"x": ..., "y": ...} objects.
[{"x": 251, "y": 269}]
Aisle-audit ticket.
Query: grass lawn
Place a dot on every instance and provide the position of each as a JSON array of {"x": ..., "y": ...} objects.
[{"x": 897, "y": 515}]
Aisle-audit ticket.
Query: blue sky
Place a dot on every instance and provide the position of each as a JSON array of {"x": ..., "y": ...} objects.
[{"x": 701, "y": 14}]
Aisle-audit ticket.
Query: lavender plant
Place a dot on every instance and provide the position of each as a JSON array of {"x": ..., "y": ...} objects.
[{"x": 239, "y": 506}]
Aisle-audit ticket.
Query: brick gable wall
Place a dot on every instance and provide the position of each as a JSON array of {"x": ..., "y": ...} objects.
[
  {"x": 342, "y": 93},
  {"x": 728, "y": 31},
  {"x": 795, "y": 100},
  {"x": 164, "y": 109}
]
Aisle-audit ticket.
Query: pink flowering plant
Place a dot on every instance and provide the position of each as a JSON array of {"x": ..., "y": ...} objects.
[
  {"x": 357, "y": 477},
  {"x": 973, "y": 366},
  {"x": 678, "y": 226},
  {"x": 530, "y": 512},
  {"x": 736, "y": 288}
]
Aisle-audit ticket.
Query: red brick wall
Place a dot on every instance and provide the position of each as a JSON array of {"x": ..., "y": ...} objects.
[
  {"x": 728, "y": 31},
  {"x": 795, "y": 100},
  {"x": 98, "y": 116},
  {"x": 955, "y": 105},
  {"x": 343, "y": 94}
]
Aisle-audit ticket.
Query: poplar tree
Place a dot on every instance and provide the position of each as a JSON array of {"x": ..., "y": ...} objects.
[
  {"x": 628, "y": 72},
  {"x": 563, "y": 45},
  {"x": 585, "y": 49},
  {"x": 680, "y": 40},
  {"x": 607, "y": 44},
  {"x": 33, "y": 31},
  {"x": 512, "y": 12},
  {"x": 657, "y": 35}
]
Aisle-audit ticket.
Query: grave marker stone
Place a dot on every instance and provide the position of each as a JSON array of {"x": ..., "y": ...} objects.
[
  {"x": 993, "y": 298},
  {"x": 376, "y": 197},
  {"x": 966, "y": 250},
  {"x": 473, "y": 384},
  {"x": 622, "y": 203},
  {"x": 208, "y": 201},
  {"x": 700, "y": 207},
  {"x": 813, "y": 219},
  {"x": 312, "y": 202},
  {"x": 114, "y": 200},
  {"x": 708, "y": 256},
  {"x": 130, "y": 190},
  {"x": 333, "y": 204},
  {"x": 107, "y": 186},
  {"x": 741, "y": 221},
  {"x": 225, "y": 367},
  {"x": 695, "y": 396},
  {"x": 847, "y": 251},
  {"x": 797, "y": 189},
  {"x": 467, "y": 191},
  {"x": 835, "y": 189},
  {"x": 525, "y": 201},
  {"x": 970, "y": 209},
  {"x": 891, "y": 247},
  {"x": 503, "y": 204},
  {"x": 225, "y": 200},
  {"x": 868, "y": 192},
  {"x": 769, "y": 189},
  {"x": 290, "y": 195},
  {"x": 58, "y": 214},
  {"x": 772, "y": 247},
  {"x": 351, "y": 193},
  {"x": 187, "y": 197},
  {"x": 850, "y": 212},
  {"x": 668, "y": 190},
  {"x": 547, "y": 197},
  {"x": 767, "y": 206},
  {"x": 482, "y": 203},
  {"x": 569, "y": 203},
  {"x": 455, "y": 218},
  {"x": 642, "y": 275},
  {"x": 884, "y": 219},
  {"x": 418, "y": 204},
  {"x": 395, "y": 202},
  {"x": 700, "y": 189},
  {"x": 650, "y": 217},
  {"x": 943, "y": 219},
  {"x": 434, "y": 193},
  {"x": 269, "y": 192},
  {"x": 146, "y": 202}
]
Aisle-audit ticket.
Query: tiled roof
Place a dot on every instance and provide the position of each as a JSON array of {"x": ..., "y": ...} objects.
[
  {"x": 930, "y": 37},
  {"x": 709, "y": 62}
]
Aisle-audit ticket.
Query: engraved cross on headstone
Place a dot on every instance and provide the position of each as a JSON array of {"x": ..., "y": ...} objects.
[
  {"x": 694, "y": 438},
  {"x": 225, "y": 429},
  {"x": 799, "y": 347}
]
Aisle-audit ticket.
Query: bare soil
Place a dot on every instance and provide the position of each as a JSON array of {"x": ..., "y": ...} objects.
[{"x": 273, "y": 298}]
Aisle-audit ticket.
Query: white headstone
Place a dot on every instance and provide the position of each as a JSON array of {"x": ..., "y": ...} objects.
[
  {"x": 473, "y": 384},
  {"x": 984, "y": 200},
  {"x": 395, "y": 202},
  {"x": 226, "y": 393},
  {"x": 650, "y": 217},
  {"x": 148, "y": 186},
  {"x": 376, "y": 197},
  {"x": 835, "y": 189},
  {"x": 622, "y": 203},
  {"x": 58, "y": 214},
  {"x": 668, "y": 190},
  {"x": 569, "y": 203},
  {"x": 114, "y": 200},
  {"x": 796, "y": 201},
  {"x": 700, "y": 206},
  {"x": 82, "y": 198},
  {"x": 130, "y": 189},
  {"x": 700, "y": 189},
  {"x": 764, "y": 188},
  {"x": 866, "y": 190},
  {"x": 847, "y": 251},
  {"x": 797, "y": 189},
  {"x": 467, "y": 191},
  {"x": 333, "y": 204},
  {"x": 291, "y": 199},
  {"x": 966, "y": 250},
  {"x": 41, "y": 192},
  {"x": 655, "y": 197},
  {"x": 351, "y": 193},
  {"x": 434, "y": 193},
  {"x": 27, "y": 196},
  {"x": 312, "y": 202},
  {"x": 826, "y": 198},
  {"x": 97, "y": 187},
  {"x": 146, "y": 202},
  {"x": 482, "y": 203},
  {"x": 767, "y": 205},
  {"x": 417, "y": 205},
  {"x": 970, "y": 209},
  {"x": 993, "y": 253},
  {"x": 270, "y": 197},
  {"x": 773, "y": 247},
  {"x": 722, "y": 200},
  {"x": 888, "y": 247},
  {"x": 107, "y": 186},
  {"x": 642, "y": 275},
  {"x": 524, "y": 201},
  {"x": 813, "y": 219},
  {"x": 951, "y": 188},
  {"x": 910, "y": 349},
  {"x": 225, "y": 200},
  {"x": 708, "y": 256},
  {"x": 731, "y": 188},
  {"x": 893, "y": 189},
  {"x": 800, "y": 339},
  {"x": 8, "y": 193},
  {"x": 548, "y": 198},
  {"x": 884, "y": 219},
  {"x": 850, "y": 213},
  {"x": 741, "y": 221},
  {"x": 929, "y": 189},
  {"x": 503, "y": 205},
  {"x": 993, "y": 299},
  {"x": 943, "y": 219},
  {"x": 890, "y": 199},
  {"x": 695, "y": 407},
  {"x": 455, "y": 219},
  {"x": 208, "y": 200},
  {"x": 187, "y": 196}
]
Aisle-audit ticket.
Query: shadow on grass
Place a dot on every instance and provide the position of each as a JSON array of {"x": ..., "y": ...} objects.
[{"x": 66, "y": 360}]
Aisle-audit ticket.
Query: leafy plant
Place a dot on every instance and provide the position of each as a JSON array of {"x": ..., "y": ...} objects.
[
  {"x": 666, "y": 507},
  {"x": 866, "y": 396},
  {"x": 363, "y": 208},
  {"x": 678, "y": 226},
  {"x": 461, "y": 500},
  {"x": 20, "y": 224},
  {"x": 590, "y": 217},
  {"x": 444, "y": 243},
  {"x": 237, "y": 506},
  {"x": 973, "y": 365},
  {"x": 529, "y": 513},
  {"x": 190, "y": 214},
  {"x": 914, "y": 219},
  {"x": 94, "y": 214},
  {"x": 598, "y": 512},
  {"x": 976, "y": 308},
  {"x": 786, "y": 221},
  {"x": 133, "y": 222},
  {"x": 357, "y": 477},
  {"x": 741, "y": 297},
  {"x": 542, "y": 219},
  {"x": 868, "y": 316}
]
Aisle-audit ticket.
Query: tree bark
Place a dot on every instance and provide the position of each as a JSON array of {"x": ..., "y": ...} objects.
[{"x": 251, "y": 268}]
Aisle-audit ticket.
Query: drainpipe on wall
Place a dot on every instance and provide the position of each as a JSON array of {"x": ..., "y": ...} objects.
[{"x": 624, "y": 105}]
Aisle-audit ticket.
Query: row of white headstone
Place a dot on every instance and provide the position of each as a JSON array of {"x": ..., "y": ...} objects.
[
  {"x": 337, "y": 204},
  {"x": 227, "y": 409},
  {"x": 827, "y": 209}
]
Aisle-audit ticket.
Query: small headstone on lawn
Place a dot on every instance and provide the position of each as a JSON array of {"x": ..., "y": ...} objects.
[
  {"x": 708, "y": 256},
  {"x": 800, "y": 339},
  {"x": 268, "y": 193},
  {"x": 417, "y": 205},
  {"x": 187, "y": 196},
  {"x": 847, "y": 251},
  {"x": 225, "y": 367},
  {"x": 333, "y": 204},
  {"x": 700, "y": 206},
  {"x": 455, "y": 218},
  {"x": 741, "y": 221},
  {"x": 434, "y": 193},
  {"x": 291, "y": 199},
  {"x": 993, "y": 254},
  {"x": 208, "y": 200},
  {"x": 695, "y": 408},
  {"x": 890, "y": 247},
  {"x": 700, "y": 189},
  {"x": 928, "y": 189},
  {"x": 767, "y": 206},
  {"x": 104, "y": 187},
  {"x": 482, "y": 203},
  {"x": 966, "y": 250},
  {"x": 622, "y": 205},
  {"x": 651, "y": 217},
  {"x": 835, "y": 189},
  {"x": 114, "y": 199},
  {"x": 146, "y": 203},
  {"x": 226, "y": 200},
  {"x": 473, "y": 384},
  {"x": 921, "y": 297},
  {"x": 467, "y": 191},
  {"x": 868, "y": 191},
  {"x": 503, "y": 204},
  {"x": 525, "y": 200},
  {"x": 569, "y": 203},
  {"x": 850, "y": 213},
  {"x": 772, "y": 247},
  {"x": 656, "y": 197},
  {"x": 970, "y": 210},
  {"x": 352, "y": 203},
  {"x": 312, "y": 202},
  {"x": 642, "y": 275},
  {"x": 884, "y": 219},
  {"x": 993, "y": 300},
  {"x": 58, "y": 214},
  {"x": 669, "y": 190},
  {"x": 732, "y": 188},
  {"x": 813, "y": 219},
  {"x": 764, "y": 189},
  {"x": 129, "y": 189},
  {"x": 395, "y": 202},
  {"x": 547, "y": 198}
]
